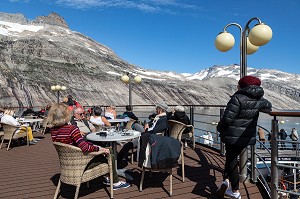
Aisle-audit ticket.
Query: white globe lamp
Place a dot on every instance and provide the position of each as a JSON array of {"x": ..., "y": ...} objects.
[
  {"x": 224, "y": 41},
  {"x": 260, "y": 34},
  {"x": 125, "y": 79},
  {"x": 137, "y": 79},
  {"x": 251, "y": 48}
]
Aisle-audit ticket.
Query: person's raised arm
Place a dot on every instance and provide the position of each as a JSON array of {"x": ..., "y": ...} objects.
[{"x": 106, "y": 122}]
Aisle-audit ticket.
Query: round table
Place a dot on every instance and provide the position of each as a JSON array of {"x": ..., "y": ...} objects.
[
  {"x": 118, "y": 136},
  {"x": 126, "y": 119}
]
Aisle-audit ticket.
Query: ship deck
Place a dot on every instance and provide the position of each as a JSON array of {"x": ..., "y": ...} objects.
[{"x": 33, "y": 172}]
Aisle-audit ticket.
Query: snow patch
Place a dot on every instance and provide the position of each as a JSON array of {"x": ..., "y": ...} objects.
[{"x": 8, "y": 28}]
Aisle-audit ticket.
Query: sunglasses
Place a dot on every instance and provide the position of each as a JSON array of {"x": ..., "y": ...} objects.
[{"x": 81, "y": 114}]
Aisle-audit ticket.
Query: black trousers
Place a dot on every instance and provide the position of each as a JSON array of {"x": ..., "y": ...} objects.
[
  {"x": 231, "y": 170},
  {"x": 123, "y": 153}
]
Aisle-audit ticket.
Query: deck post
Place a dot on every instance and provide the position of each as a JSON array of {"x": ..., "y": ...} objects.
[
  {"x": 253, "y": 164},
  {"x": 192, "y": 115},
  {"x": 274, "y": 158},
  {"x": 222, "y": 145},
  {"x": 243, "y": 165}
]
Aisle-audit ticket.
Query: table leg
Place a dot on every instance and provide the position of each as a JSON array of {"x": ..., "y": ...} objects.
[
  {"x": 120, "y": 172},
  {"x": 115, "y": 152}
]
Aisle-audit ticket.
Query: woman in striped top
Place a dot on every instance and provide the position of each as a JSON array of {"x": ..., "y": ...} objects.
[{"x": 59, "y": 116}]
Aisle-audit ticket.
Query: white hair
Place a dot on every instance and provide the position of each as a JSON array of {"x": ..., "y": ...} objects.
[{"x": 179, "y": 108}]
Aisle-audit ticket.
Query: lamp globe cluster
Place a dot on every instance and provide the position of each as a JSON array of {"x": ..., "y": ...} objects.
[
  {"x": 259, "y": 35},
  {"x": 58, "y": 88},
  {"x": 126, "y": 79}
]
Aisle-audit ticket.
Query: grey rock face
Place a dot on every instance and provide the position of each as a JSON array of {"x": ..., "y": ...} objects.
[
  {"x": 14, "y": 18},
  {"x": 46, "y": 52},
  {"x": 52, "y": 19}
]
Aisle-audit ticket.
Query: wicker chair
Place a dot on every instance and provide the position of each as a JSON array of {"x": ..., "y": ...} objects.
[
  {"x": 45, "y": 125},
  {"x": 175, "y": 130},
  {"x": 190, "y": 135},
  {"x": 129, "y": 127},
  {"x": 9, "y": 134},
  {"x": 129, "y": 124},
  {"x": 147, "y": 166},
  {"x": 73, "y": 163},
  {"x": 1, "y": 132}
]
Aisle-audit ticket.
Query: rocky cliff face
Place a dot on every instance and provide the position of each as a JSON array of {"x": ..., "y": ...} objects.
[
  {"x": 34, "y": 55},
  {"x": 52, "y": 19}
]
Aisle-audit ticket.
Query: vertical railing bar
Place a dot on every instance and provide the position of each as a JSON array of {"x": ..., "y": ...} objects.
[
  {"x": 274, "y": 159},
  {"x": 222, "y": 145},
  {"x": 253, "y": 164}
]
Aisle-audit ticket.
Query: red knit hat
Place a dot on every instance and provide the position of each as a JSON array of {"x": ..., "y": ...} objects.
[{"x": 249, "y": 80}]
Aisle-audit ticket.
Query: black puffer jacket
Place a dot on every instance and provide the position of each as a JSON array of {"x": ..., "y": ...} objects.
[
  {"x": 183, "y": 118},
  {"x": 238, "y": 124}
]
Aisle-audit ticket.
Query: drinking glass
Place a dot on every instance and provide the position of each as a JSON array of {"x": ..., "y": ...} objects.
[
  {"x": 124, "y": 131},
  {"x": 112, "y": 130}
]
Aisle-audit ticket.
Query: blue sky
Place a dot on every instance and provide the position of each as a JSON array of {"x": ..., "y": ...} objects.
[{"x": 177, "y": 35}]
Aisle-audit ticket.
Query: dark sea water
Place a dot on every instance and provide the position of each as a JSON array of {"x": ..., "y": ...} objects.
[{"x": 207, "y": 117}]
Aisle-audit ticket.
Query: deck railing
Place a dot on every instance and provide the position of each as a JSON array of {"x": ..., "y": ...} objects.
[{"x": 275, "y": 165}]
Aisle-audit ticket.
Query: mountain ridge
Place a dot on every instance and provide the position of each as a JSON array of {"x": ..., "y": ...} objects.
[{"x": 37, "y": 54}]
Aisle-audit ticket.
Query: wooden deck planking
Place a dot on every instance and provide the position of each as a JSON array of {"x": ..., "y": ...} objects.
[{"x": 33, "y": 172}]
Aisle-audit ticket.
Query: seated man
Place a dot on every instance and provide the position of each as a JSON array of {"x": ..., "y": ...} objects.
[
  {"x": 79, "y": 120},
  {"x": 9, "y": 119},
  {"x": 179, "y": 115},
  {"x": 130, "y": 114},
  {"x": 159, "y": 125}
]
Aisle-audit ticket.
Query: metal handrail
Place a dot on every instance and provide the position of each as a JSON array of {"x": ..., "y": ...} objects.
[{"x": 274, "y": 151}]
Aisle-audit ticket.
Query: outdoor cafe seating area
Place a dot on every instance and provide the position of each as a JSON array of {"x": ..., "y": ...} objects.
[
  {"x": 39, "y": 171},
  {"x": 33, "y": 172}
]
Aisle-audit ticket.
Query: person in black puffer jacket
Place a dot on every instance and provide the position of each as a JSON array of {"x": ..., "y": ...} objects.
[{"x": 237, "y": 128}]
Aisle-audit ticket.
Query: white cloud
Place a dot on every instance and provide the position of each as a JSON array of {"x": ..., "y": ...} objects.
[{"x": 143, "y": 5}]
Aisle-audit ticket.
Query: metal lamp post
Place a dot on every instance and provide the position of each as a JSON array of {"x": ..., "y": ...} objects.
[
  {"x": 250, "y": 40},
  {"x": 259, "y": 35},
  {"x": 127, "y": 79},
  {"x": 58, "y": 88}
]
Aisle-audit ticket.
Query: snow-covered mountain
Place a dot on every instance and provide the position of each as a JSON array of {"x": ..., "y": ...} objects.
[
  {"x": 37, "y": 54},
  {"x": 233, "y": 71}
]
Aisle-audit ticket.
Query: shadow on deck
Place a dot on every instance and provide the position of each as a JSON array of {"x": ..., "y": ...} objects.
[{"x": 33, "y": 172}]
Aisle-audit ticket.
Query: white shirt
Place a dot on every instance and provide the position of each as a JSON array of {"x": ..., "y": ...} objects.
[
  {"x": 110, "y": 115},
  {"x": 155, "y": 121},
  {"x": 97, "y": 120},
  {"x": 8, "y": 119},
  {"x": 83, "y": 128}
]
